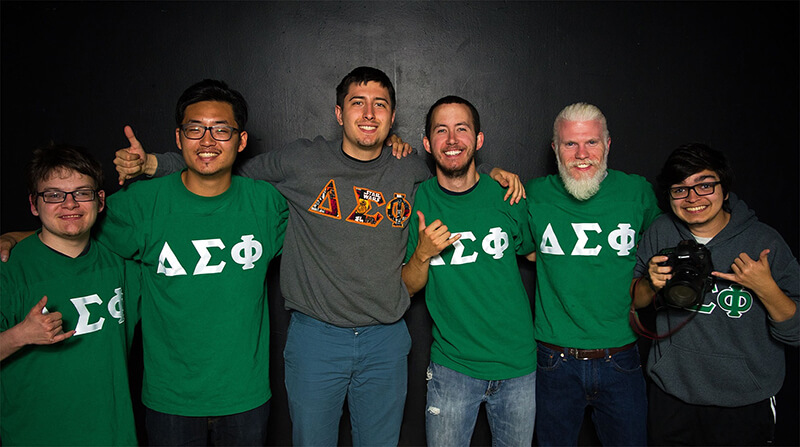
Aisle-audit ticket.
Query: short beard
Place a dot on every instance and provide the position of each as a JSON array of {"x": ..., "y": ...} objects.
[
  {"x": 584, "y": 188},
  {"x": 456, "y": 173}
]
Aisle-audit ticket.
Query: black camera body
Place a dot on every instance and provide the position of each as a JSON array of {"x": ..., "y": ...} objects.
[{"x": 691, "y": 274}]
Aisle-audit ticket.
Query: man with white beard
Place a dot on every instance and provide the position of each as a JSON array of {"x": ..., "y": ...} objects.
[{"x": 587, "y": 221}]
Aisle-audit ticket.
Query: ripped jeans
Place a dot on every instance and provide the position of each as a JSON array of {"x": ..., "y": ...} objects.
[{"x": 454, "y": 400}]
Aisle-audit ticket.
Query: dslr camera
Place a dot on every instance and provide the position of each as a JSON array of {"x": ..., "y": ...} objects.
[{"x": 691, "y": 274}]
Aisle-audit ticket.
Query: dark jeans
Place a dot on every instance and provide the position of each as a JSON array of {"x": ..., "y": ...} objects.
[
  {"x": 248, "y": 428},
  {"x": 613, "y": 386},
  {"x": 672, "y": 421}
]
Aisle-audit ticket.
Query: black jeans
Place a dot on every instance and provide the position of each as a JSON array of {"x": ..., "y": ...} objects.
[{"x": 674, "y": 422}]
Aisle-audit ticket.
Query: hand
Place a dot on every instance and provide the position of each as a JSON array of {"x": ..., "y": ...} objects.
[
  {"x": 433, "y": 238},
  {"x": 755, "y": 275},
  {"x": 659, "y": 274},
  {"x": 516, "y": 190},
  {"x": 6, "y": 244},
  {"x": 399, "y": 148},
  {"x": 42, "y": 329},
  {"x": 130, "y": 161}
]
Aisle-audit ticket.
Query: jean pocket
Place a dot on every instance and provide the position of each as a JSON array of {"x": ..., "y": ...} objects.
[
  {"x": 627, "y": 361},
  {"x": 547, "y": 359}
]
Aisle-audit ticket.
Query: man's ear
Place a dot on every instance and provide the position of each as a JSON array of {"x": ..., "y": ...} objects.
[
  {"x": 101, "y": 200},
  {"x": 338, "y": 111},
  {"x": 242, "y": 141},
  {"x": 32, "y": 200},
  {"x": 479, "y": 141},
  {"x": 427, "y": 143},
  {"x": 178, "y": 138}
]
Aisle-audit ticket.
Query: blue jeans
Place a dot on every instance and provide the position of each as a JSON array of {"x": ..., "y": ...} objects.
[
  {"x": 325, "y": 363},
  {"x": 613, "y": 386},
  {"x": 246, "y": 428},
  {"x": 454, "y": 400}
]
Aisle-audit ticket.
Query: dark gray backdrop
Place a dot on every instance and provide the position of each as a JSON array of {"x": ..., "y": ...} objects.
[{"x": 663, "y": 73}]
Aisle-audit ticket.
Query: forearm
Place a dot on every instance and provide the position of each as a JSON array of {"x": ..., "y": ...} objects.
[
  {"x": 779, "y": 306},
  {"x": 643, "y": 292},
  {"x": 10, "y": 342},
  {"x": 415, "y": 273},
  {"x": 165, "y": 163}
]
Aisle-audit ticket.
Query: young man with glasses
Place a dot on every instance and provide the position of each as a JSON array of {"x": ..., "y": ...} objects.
[
  {"x": 714, "y": 379},
  {"x": 205, "y": 239},
  {"x": 64, "y": 342}
]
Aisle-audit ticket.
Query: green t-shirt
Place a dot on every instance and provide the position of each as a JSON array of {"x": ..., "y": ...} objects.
[
  {"x": 205, "y": 322},
  {"x": 585, "y": 258},
  {"x": 482, "y": 322},
  {"x": 74, "y": 392}
]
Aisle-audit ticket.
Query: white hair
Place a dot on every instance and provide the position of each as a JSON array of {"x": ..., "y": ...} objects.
[{"x": 580, "y": 111}]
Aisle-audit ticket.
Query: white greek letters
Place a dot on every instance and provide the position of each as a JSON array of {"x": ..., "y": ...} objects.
[
  {"x": 622, "y": 240},
  {"x": 202, "y": 267},
  {"x": 115, "y": 306},
  {"x": 212, "y": 256},
  {"x": 580, "y": 230},
  {"x": 458, "y": 253},
  {"x": 168, "y": 263},
  {"x": 86, "y": 305},
  {"x": 494, "y": 244},
  {"x": 246, "y": 252},
  {"x": 81, "y": 305},
  {"x": 550, "y": 243}
]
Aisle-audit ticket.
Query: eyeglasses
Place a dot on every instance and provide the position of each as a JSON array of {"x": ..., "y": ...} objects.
[
  {"x": 701, "y": 189},
  {"x": 80, "y": 195},
  {"x": 219, "y": 132}
]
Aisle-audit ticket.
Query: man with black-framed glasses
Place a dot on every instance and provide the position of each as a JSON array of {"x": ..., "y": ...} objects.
[
  {"x": 715, "y": 379},
  {"x": 63, "y": 330},
  {"x": 205, "y": 238}
]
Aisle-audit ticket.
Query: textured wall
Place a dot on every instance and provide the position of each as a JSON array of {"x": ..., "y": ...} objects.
[{"x": 663, "y": 73}]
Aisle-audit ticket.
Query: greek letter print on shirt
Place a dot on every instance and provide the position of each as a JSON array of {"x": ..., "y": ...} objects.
[{"x": 398, "y": 208}]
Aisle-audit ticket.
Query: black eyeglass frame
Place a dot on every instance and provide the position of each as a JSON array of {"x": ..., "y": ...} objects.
[
  {"x": 713, "y": 185},
  {"x": 183, "y": 128},
  {"x": 68, "y": 193}
]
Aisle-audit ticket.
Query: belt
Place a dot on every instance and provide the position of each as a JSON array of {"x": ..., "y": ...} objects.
[{"x": 588, "y": 354}]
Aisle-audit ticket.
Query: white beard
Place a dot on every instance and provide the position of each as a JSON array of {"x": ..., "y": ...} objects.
[{"x": 584, "y": 188}]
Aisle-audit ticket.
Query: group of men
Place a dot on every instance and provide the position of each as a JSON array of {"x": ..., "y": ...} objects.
[{"x": 203, "y": 238}]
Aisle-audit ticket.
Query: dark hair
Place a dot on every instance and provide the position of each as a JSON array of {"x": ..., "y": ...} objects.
[
  {"x": 362, "y": 75},
  {"x": 476, "y": 119},
  {"x": 57, "y": 157},
  {"x": 688, "y": 160},
  {"x": 212, "y": 90}
]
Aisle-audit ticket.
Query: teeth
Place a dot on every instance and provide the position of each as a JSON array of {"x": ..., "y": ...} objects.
[
  {"x": 451, "y": 153},
  {"x": 368, "y": 127},
  {"x": 696, "y": 208},
  {"x": 207, "y": 154}
]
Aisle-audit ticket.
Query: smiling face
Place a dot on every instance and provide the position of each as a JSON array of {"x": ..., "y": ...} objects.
[
  {"x": 582, "y": 156},
  {"x": 207, "y": 157},
  {"x": 68, "y": 220},
  {"x": 453, "y": 141},
  {"x": 366, "y": 117},
  {"x": 704, "y": 215}
]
